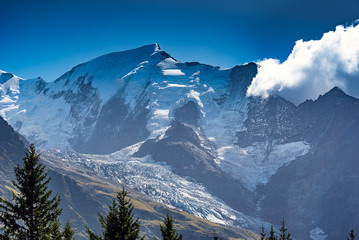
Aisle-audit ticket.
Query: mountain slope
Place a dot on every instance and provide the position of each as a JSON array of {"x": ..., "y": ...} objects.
[
  {"x": 12, "y": 148},
  {"x": 83, "y": 196}
]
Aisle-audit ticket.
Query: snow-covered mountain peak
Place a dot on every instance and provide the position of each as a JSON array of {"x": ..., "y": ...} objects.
[
  {"x": 141, "y": 89},
  {"x": 111, "y": 72},
  {"x": 145, "y": 52}
]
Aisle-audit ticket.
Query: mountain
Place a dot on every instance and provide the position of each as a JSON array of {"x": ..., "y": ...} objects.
[
  {"x": 186, "y": 135},
  {"x": 313, "y": 189},
  {"x": 132, "y": 93},
  {"x": 124, "y": 98},
  {"x": 83, "y": 195}
]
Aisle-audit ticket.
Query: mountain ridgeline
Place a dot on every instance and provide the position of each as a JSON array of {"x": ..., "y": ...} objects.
[{"x": 186, "y": 135}]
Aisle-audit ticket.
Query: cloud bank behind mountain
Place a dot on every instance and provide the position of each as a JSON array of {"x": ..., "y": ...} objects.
[{"x": 312, "y": 68}]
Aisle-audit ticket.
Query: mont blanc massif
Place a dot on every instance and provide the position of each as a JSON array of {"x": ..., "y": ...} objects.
[{"x": 185, "y": 139}]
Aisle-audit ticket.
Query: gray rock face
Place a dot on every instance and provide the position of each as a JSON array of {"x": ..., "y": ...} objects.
[
  {"x": 117, "y": 127},
  {"x": 278, "y": 119},
  {"x": 188, "y": 114},
  {"x": 270, "y": 119},
  {"x": 241, "y": 77},
  {"x": 4, "y": 77},
  {"x": 318, "y": 189}
]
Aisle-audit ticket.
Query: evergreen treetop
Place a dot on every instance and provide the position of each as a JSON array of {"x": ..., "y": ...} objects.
[
  {"x": 272, "y": 235},
  {"x": 284, "y": 235},
  {"x": 262, "y": 234},
  {"x": 68, "y": 232},
  {"x": 167, "y": 230},
  {"x": 351, "y": 235},
  {"x": 32, "y": 212},
  {"x": 119, "y": 223}
]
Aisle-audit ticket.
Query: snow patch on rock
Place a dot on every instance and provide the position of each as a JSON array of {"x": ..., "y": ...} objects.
[
  {"x": 317, "y": 234},
  {"x": 255, "y": 165},
  {"x": 172, "y": 72}
]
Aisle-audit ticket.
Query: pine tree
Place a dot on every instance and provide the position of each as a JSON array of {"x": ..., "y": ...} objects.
[
  {"x": 33, "y": 211},
  {"x": 119, "y": 224},
  {"x": 167, "y": 230},
  {"x": 272, "y": 235},
  {"x": 68, "y": 233},
  {"x": 351, "y": 235},
  {"x": 284, "y": 235},
  {"x": 262, "y": 234},
  {"x": 56, "y": 233}
]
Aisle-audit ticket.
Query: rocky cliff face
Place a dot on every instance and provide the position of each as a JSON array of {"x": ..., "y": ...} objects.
[{"x": 309, "y": 191}]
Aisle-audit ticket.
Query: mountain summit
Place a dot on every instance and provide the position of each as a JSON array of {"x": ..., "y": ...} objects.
[
  {"x": 134, "y": 92},
  {"x": 106, "y": 73}
]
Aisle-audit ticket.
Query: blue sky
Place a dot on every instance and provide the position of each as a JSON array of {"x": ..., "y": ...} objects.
[{"x": 47, "y": 38}]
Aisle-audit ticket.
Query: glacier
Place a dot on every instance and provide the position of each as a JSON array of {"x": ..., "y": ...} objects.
[{"x": 157, "y": 181}]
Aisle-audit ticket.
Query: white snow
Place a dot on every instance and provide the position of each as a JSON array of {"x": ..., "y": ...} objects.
[
  {"x": 172, "y": 72},
  {"x": 174, "y": 85},
  {"x": 9, "y": 91},
  {"x": 195, "y": 95},
  {"x": 317, "y": 234},
  {"x": 161, "y": 113}
]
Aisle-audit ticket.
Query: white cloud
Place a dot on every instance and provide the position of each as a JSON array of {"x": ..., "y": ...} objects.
[{"x": 313, "y": 68}]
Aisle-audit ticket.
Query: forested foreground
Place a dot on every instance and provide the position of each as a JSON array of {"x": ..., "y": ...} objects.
[{"x": 33, "y": 212}]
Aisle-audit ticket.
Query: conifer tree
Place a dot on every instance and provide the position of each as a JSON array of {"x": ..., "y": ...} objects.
[
  {"x": 68, "y": 233},
  {"x": 351, "y": 235},
  {"x": 32, "y": 212},
  {"x": 262, "y": 234},
  {"x": 56, "y": 233},
  {"x": 167, "y": 230},
  {"x": 272, "y": 235},
  {"x": 119, "y": 224},
  {"x": 284, "y": 235}
]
